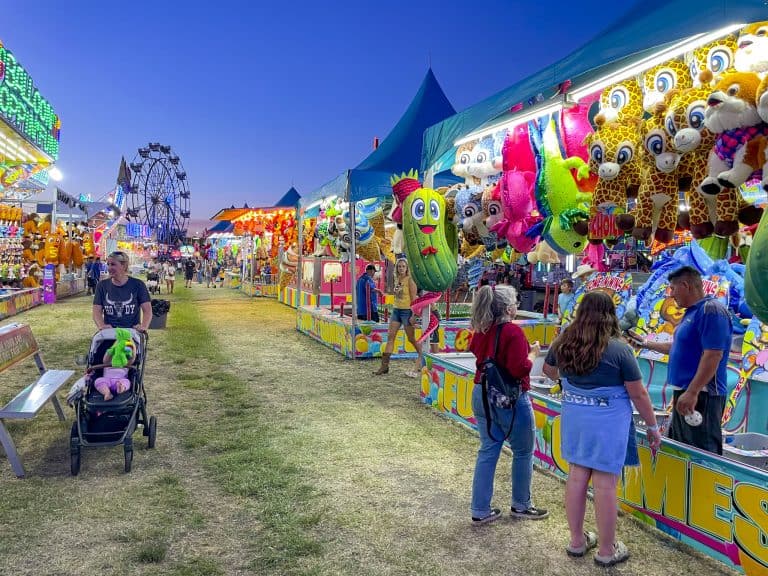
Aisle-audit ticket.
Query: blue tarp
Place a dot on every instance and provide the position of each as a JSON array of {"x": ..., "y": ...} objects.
[
  {"x": 399, "y": 151},
  {"x": 647, "y": 26}
]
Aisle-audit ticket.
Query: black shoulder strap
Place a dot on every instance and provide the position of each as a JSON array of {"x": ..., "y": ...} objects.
[{"x": 499, "y": 328}]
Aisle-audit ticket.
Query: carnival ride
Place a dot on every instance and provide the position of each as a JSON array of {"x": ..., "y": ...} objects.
[{"x": 159, "y": 192}]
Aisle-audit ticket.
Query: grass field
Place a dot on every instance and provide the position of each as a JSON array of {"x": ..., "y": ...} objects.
[{"x": 274, "y": 456}]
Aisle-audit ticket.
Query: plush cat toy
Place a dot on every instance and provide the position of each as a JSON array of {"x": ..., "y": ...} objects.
[{"x": 123, "y": 350}]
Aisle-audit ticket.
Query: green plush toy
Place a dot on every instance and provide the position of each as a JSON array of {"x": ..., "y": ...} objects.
[{"x": 123, "y": 349}]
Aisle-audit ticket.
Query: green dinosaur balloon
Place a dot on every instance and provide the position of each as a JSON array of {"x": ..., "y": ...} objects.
[
  {"x": 565, "y": 207},
  {"x": 121, "y": 351}
]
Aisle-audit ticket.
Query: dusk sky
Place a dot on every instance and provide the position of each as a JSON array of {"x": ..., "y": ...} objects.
[{"x": 257, "y": 96}]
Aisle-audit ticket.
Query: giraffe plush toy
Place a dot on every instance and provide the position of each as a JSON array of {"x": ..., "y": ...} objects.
[
  {"x": 620, "y": 102},
  {"x": 612, "y": 156},
  {"x": 684, "y": 123},
  {"x": 658, "y": 196},
  {"x": 716, "y": 58},
  {"x": 662, "y": 79}
]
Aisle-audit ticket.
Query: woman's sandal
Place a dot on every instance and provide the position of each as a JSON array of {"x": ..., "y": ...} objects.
[
  {"x": 620, "y": 554},
  {"x": 590, "y": 541}
]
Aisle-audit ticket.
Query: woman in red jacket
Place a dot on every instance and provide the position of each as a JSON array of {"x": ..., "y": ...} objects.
[{"x": 493, "y": 309}]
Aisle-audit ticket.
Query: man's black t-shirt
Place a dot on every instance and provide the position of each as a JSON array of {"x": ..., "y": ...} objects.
[{"x": 122, "y": 304}]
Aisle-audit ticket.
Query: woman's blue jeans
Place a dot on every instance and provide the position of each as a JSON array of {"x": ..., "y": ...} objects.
[{"x": 521, "y": 442}]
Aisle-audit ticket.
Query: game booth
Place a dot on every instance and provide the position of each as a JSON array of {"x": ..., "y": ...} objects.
[
  {"x": 624, "y": 147},
  {"x": 29, "y": 148},
  {"x": 260, "y": 246}
]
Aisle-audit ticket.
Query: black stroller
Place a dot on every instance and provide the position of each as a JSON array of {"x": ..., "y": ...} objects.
[
  {"x": 112, "y": 422},
  {"x": 153, "y": 282}
]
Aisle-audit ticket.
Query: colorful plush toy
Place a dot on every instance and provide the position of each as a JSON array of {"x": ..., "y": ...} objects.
[
  {"x": 613, "y": 151},
  {"x": 431, "y": 260},
  {"x": 715, "y": 57},
  {"x": 620, "y": 102},
  {"x": 564, "y": 208},
  {"x": 657, "y": 201},
  {"x": 469, "y": 212},
  {"x": 720, "y": 214},
  {"x": 366, "y": 245},
  {"x": 661, "y": 79},
  {"x": 575, "y": 126},
  {"x": 516, "y": 151},
  {"x": 732, "y": 115},
  {"x": 123, "y": 350},
  {"x": 520, "y": 213},
  {"x": 756, "y": 276},
  {"x": 752, "y": 52},
  {"x": 479, "y": 162}
]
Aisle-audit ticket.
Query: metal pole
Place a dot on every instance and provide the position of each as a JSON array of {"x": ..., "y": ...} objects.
[
  {"x": 300, "y": 248},
  {"x": 352, "y": 265}
]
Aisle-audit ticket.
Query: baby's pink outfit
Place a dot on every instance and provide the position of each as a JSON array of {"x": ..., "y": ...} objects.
[{"x": 111, "y": 379}]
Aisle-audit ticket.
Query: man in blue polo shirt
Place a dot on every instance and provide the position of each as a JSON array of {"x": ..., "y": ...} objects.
[
  {"x": 367, "y": 304},
  {"x": 698, "y": 357}
]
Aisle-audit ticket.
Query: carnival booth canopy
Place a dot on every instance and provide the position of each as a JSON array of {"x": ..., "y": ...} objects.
[
  {"x": 398, "y": 152},
  {"x": 649, "y": 33}
]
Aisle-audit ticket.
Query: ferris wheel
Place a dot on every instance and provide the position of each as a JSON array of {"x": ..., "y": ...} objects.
[{"x": 159, "y": 193}]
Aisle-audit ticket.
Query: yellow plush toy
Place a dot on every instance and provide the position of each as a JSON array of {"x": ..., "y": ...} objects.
[
  {"x": 661, "y": 79},
  {"x": 620, "y": 102}
]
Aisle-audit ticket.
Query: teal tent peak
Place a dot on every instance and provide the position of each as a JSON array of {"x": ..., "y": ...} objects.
[{"x": 290, "y": 198}]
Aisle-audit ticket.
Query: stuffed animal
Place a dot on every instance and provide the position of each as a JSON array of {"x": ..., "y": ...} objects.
[
  {"x": 519, "y": 209},
  {"x": 621, "y": 101},
  {"x": 613, "y": 151},
  {"x": 575, "y": 126},
  {"x": 123, "y": 350},
  {"x": 715, "y": 57},
  {"x": 661, "y": 79},
  {"x": 543, "y": 253},
  {"x": 479, "y": 162},
  {"x": 564, "y": 208},
  {"x": 732, "y": 115},
  {"x": 366, "y": 245},
  {"x": 752, "y": 52},
  {"x": 685, "y": 124},
  {"x": 469, "y": 212},
  {"x": 657, "y": 201}
]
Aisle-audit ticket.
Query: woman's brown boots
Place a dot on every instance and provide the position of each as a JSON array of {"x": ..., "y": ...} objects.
[{"x": 384, "y": 368}]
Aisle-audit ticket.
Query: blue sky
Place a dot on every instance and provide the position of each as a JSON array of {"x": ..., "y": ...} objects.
[{"x": 256, "y": 96}]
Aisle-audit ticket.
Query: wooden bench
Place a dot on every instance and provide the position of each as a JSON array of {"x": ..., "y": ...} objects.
[{"x": 16, "y": 344}]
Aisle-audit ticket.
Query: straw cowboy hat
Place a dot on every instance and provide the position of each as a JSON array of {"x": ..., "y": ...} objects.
[{"x": 583, "y": 270}]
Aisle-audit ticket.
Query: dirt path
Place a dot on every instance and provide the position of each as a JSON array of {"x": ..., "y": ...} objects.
[{"x": 274, "y": 456}]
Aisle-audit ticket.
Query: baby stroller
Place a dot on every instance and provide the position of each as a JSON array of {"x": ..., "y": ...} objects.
[
  {"x": 112, "y": 422},
  {"x": 153, "y": 282}
]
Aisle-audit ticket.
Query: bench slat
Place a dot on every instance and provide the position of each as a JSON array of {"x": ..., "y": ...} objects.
[{"x": 29, "y": 401}]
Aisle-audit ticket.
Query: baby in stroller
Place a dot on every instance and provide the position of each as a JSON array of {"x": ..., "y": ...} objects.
[{"x": 117, "y": 360}]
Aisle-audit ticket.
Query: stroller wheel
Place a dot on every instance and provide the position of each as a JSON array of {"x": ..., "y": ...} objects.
[
  {"x": 128, "y": 449},
  {"x": 74, "y": 451},
  {"x": 152, "y": 432}
]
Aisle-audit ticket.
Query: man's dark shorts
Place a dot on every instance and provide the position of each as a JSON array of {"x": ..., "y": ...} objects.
[
  {"x": 709, "y": 434},
  {"x": 374, "y": 316}
]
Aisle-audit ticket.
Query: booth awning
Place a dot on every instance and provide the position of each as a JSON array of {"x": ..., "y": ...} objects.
[
  {"x": 400, "y": 151},
  {"x": 221, "y": 227},
  {"x": 289, "y": 199},
  {"x": 646, "y": 27}
]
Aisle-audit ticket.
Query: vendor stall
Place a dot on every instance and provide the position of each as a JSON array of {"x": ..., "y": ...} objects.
[
  {"x": 632, "y": 135},
  {"x": 259, "y": 250}
]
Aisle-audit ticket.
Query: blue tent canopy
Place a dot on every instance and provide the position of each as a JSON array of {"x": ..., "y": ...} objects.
[
  {"x": 400, "y": 151},
  {"x": 645, "y": 28},
  {"x": 222, "y": 226},
  {"x": 290, "y": 198}
]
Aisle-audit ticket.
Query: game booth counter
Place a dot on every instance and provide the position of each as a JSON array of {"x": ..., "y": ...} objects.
[{"x": 642, "y": 84}]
